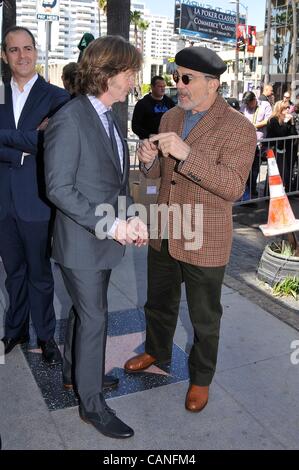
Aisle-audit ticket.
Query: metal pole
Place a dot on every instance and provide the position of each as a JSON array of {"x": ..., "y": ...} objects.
[
  {"x": 236, "y": 80},
  {"x": 267, "y": 43},
  {"x": 47, "y": 51},
  {"x": 246, "y": 39}
]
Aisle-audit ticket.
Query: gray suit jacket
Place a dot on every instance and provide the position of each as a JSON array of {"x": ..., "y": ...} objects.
[{"x": 82, "y": 173}]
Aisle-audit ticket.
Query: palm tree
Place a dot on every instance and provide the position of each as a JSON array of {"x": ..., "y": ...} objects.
[
  {"x": 139, "y": 25},
  {"x": 118, "y": 23},
  {"x": 9, "y": 19},
  {"x": 102, "y": 7},
  {"x": 143, "y": 25},
  {"x": 118, "y": 17},
  {"x": 135, "y": 18},
  {"x": 294, "y": 49}
]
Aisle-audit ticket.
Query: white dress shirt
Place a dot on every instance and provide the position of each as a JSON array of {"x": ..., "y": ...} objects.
[
  {"x": 19, "y": 99},
  {"x": 101, "y": 110}
]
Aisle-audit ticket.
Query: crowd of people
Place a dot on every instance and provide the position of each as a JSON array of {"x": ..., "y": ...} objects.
[
  {"x": 64, "y": 167},
  {"x": 272, "y": 120}
]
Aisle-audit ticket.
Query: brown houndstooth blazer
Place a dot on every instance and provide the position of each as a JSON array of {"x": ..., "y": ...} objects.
[{"x": 214, "y": 174}]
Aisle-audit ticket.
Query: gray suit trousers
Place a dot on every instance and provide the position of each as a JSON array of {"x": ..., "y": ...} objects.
[{"x": 88, "y": 291}]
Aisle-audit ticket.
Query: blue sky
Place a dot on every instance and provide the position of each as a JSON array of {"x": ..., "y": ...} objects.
[{"x": 256, "y": 9}]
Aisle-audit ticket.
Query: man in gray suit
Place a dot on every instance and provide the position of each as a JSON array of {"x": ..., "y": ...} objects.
[{"x": 87, "y": 167}]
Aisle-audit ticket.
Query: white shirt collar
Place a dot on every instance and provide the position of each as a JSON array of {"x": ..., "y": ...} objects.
[
  {"x": 27, "y": 86},
  {"x": 98, "y": 104}
]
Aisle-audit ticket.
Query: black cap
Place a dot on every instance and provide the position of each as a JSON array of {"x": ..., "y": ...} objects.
[{"x": 201, "y": 59}]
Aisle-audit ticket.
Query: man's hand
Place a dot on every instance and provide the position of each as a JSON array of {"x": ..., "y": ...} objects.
[
  {"x": 138, "y": 231},
  {"x": 171, "y": 144},
  {"x": 147, "y": 152},
  {"x": 131, "y": 231}
]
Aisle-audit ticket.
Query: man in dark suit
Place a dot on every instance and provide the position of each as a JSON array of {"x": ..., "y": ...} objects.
[
  {"x": 87, "y": 167},
  {"x": 24, "y": 211}
]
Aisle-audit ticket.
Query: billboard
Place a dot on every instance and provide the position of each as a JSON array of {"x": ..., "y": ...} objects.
[
  {"x": 251, "y": 39},
  {"x": 205, "y": 23},
  {"x": 241, "y": 37}
]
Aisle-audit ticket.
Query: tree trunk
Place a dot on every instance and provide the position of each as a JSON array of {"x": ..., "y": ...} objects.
[
  {"x": 118, "y": 17},
  {"x": 267, "y": 44},
  {"x": 118, "y": 23},
  {"x": 294, "y": 49},
  {"x": 9, "y": 19}
]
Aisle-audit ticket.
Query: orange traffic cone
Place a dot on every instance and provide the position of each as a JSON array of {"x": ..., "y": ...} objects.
[{"x": 281, "y": 218}]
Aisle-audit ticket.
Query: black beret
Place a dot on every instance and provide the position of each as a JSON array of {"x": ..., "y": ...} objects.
[{"x": 201, "y": 59}]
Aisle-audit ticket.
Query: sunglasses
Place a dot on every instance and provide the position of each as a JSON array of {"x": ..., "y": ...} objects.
[
  {"x": 186, "y": 79},
  {"x": 288, "y": 97}
]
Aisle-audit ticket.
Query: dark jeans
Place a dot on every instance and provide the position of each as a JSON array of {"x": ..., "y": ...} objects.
[{"x": 203, "y": 289}]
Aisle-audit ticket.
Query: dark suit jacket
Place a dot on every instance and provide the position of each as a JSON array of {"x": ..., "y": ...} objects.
[
  {"x": 82, "y": 176},
  {"x": 25, "y": 183}
]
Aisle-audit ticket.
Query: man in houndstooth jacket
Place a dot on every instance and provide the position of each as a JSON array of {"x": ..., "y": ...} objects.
[{"x": 203, "y": 153}]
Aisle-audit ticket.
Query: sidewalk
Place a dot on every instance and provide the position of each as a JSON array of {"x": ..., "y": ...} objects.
[{"x": 254, "y": 396}]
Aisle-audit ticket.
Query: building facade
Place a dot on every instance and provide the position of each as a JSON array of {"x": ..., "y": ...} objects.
[
  {"x": 250, "y": 69},
  {"x": 80, "y": 16},
  {"x": 76, "y": 18},
  {"x": 156, "y": 41},
  {"x": 281, "y": 51}
]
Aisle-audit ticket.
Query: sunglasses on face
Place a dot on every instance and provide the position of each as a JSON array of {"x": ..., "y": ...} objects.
[{"x": 186, "y": 79}]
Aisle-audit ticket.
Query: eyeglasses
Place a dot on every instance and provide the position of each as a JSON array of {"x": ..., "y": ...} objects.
[
  {"x": 286, "y": 96},
  {"x": 186, "y": 78}
]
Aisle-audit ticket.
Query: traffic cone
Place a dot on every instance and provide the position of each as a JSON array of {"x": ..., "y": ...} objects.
[{"x": 281, "y": 218}]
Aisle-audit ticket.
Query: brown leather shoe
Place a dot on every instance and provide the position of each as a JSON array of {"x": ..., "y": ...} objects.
[
  {"x": 197, "y": 397},
  {"x": 68, "y": 387},
  {"x": 139, "y": 363}
]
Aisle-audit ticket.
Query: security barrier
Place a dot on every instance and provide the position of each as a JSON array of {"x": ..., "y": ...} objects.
[{"x": 286, "y": 151}]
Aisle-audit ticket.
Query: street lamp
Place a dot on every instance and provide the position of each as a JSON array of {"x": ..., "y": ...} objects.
[{"x": 236, "y": 80}]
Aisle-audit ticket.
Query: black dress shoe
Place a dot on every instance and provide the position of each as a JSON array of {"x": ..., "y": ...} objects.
[
  {"x": 107, "y": 423},
  {"x": 110, "y": 381},
  {"x": 10, "y": 343},
  {"x": 50, "y": 352}
]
